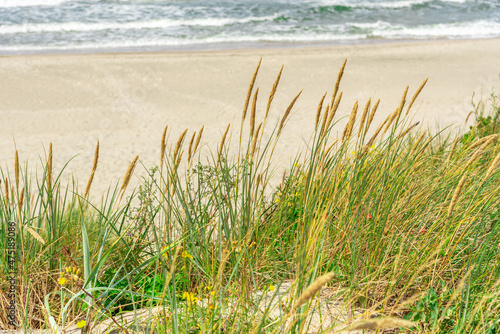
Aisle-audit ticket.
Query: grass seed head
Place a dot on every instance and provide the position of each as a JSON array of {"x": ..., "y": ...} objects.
[
  {"x": 273, "y": 92},
  {"x": 179, "y": 144},
  {"x": 456, "y": 194},
  {"x": 163, "y": 145},
  {"x": 337, "y": 83},
  {"x": 287, "y": 112},
  {"x": 494, "y": 165},
  {"x": 378, "y": 324},
  {"x": 318, "y": 111},
  {"x": 250, "y": 89},
  {"x": 128, "y": 174},
  {"x": 372, "y": 115},
  {"x": 333, "y": 111},
  {"x": 417, "y": 93},
  {"x": 94, "y": 168},
  {"x": 198, "y": 139},
  {"x": 190, "y": 149},
  {"x": 252, "y": 114},
  {"x": 350, "y": 124},
  {"x": 363, "y": 117},
  {"x": 312, "y": 289}
]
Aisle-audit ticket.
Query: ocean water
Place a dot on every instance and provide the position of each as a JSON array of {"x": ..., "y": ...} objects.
[{"x": 41, "y": 26}]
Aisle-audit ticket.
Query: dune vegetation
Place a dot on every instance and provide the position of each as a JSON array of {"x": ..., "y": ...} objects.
[{"x": 387, "y": 228}]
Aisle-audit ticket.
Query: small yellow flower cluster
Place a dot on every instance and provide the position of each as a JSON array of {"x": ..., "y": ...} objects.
[
  {"x": 190, "y": 297},
  {"x": 186, "y": 255},
  {"x": 81, "y": 324},
  {"x": 71, "y": 273}
]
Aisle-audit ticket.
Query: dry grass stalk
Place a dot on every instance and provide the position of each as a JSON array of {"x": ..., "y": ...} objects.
[
  {"x": 254, "y": 141},
  {"x": 6, "y": 189},
  {"x": 350, "y": 124},
  {"x": 333, "y": 110},
  {"x": 179, "y": 144},
  {"x": 478, "y": 152},
  {"x": 374, "y": 137},
  {"x": 198, "y": 139},
  {"x": 94, "y": 168},
  {"x": 273, "y": 91},
  {"x": 163, "y": 146},
  {"x": 378, "y": 324},
  {"x": 190, "y": 149},
  {"x": 372, "y": 115},
  {"x": 252, "y": 114},
  {"x": 16, "y": 169},
  {"x": 250, "y": 89},
  {"x": 49, "y": 170},
  {"x": 128, "y": 174},
  {"x": 417, "y": 143},
  {"x": 452, "y": 150},
  {"x": 395, "y": 115},
  {"x": 287, "y": 112},
  {"x": 20, "y": 205},
  {"x": 456, "y": 194},
  {"x": 337, "y": 83},
  {"x": 21, "y": 198},
  {"x": 318, "y": 112},
  {"x": 312, "y": 289},
  {"x": 417, "y": 93},
  {"x": 325, "y": 119},
  {"x": 494, "y": 165},
  {"x": 481, "y": 141},
  {"x": 414, "y": 125},
  {"x": 178, "y": 160},
  {"x": 363, "y": 116},
  {"x": 34, "y": 234},
  {"x": 221, "y": 146}
]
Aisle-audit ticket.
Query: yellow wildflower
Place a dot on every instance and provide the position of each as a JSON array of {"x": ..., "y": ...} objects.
[
  {"x": 272, "y": 288},
  {"x": 61, "y": 280},
  {"x": 190, "y": 297},
  {"x": 185, "y": 254},
  {"x": 81, "y": 324}
]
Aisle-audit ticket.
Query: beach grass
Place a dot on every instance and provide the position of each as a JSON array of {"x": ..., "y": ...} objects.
[{"x": 386, "y": 226}]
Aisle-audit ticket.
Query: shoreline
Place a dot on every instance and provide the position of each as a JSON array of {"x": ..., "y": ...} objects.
[
  {"x": 242, "y": 47},
  {"x": 125, "y": 100}
]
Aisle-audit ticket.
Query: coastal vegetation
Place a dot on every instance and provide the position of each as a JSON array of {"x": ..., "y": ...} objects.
[{"x": 386, "y": 226}]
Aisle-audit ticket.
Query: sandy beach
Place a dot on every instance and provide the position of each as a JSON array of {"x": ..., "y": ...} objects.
[{"x": 126, "y": 100}]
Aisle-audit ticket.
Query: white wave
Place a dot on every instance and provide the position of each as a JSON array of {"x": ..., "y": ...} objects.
[
  {"x": 372, "y": 4},
  {"x": 27, "y": 3},
  {"x": 472, "y": 29},
  {"x": 174, "y": 42},
  {"x": 154, "y": 24}
]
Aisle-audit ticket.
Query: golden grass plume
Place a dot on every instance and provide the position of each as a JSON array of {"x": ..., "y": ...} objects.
[
  {"x": 163, "y": 145},
  {"x": 94, "y": 168},
  {"x": 494, "y": 165},
  {"x": 456, "y": 194},
  {"x": 273, "y": 92},
  {"x": 378, "y": 324},
  {"x": 372, "y": 115},
  {"x": 253, "y": 111},
  {"x": 312, "y": 289},
  {"x": 250, "y": 89},
  {"x": 198, "y": 139},
  {"x": 417, "y": 93},
  {"x": 287, "y": 112},
  {"x": 333, "y": 110},
  {"x": 350, "y": 124},
  {"x": 337, "y": 83},
  {"x": 318, "y": 112},
  {"x": 128, "y": 174},
  {"x": 363, "y": 116},
  {"x": 190, "y": 148},
  {"x": 34, "y": 234}
]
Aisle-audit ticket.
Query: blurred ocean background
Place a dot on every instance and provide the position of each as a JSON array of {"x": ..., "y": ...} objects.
[{"x": 40, "y": 26}]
